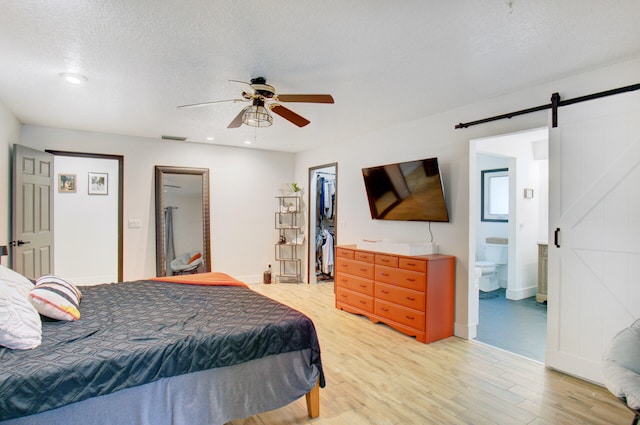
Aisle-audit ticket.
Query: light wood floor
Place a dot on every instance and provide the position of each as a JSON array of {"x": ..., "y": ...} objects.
[{"x": 376, "y": 375}]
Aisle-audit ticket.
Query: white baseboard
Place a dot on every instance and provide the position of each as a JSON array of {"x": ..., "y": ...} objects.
[{"x": 519, "y": 294}]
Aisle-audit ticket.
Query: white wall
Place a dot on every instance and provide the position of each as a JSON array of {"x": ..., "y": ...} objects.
[
  {"x": 9, "y": 134},
  {"x": 243, "y": 183},
  {"x": 86, "y": 226},
  {"x": 436, "y": 136}
]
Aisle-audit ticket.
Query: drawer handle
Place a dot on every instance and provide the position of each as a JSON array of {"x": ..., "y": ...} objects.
[
  {"x": 409, "y": 317},
  {"x": 343, "y": 296},
  {"x": 343, "y": 280},
  {"x": 411, "y": 279},
  {"x": 363, "y": 302},
  {"x": 384, "y": 291},
  {"x": 411, "y": 264},
  {"x": 384, "y": 309},
  {"x": 362, "y": 269},
  {"x": 411, "y": 298},
  {"x": 384, "y": 260},
  {"x": 362, "y": 285},
  {"x": 385, "y": 274}
]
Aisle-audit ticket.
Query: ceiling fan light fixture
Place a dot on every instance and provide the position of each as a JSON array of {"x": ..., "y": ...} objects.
[{"x": 257, "y": 116}]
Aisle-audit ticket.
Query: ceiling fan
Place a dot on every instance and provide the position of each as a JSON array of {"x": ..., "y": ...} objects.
[{"x": 263, "y": 99}]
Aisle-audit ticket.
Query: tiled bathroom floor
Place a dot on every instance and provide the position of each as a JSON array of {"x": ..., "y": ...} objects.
[{"x": 516, "y": 326}]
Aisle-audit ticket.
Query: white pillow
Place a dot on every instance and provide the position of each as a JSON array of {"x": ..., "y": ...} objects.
[
  {"x": 56, "y": 298},
  {"x": 20, "y": 325},
  {"x": 15, "y": 279}
]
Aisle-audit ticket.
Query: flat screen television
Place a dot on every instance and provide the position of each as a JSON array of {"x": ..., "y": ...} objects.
[{"x": 406, "y": 191}]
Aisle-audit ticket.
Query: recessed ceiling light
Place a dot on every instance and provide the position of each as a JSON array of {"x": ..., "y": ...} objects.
[
  {"x": 73, "y": 78},
  {"x": 247, "y": 142},
  {"x": 210, "y": 138}
]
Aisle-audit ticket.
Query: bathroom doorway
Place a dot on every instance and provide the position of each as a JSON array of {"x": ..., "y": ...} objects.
[
  {"x": 511, "y": 313},
  {"x": 323, "y": 213}
]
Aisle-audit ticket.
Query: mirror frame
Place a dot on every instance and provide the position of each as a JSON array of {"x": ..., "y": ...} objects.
[{"x": 160, "y": 172}]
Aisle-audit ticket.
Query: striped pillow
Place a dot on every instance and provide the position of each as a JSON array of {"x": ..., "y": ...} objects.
[{"x": 56, "y": 298}]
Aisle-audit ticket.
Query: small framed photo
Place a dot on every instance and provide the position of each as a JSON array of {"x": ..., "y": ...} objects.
[
  {"x": 98, "y": 183},
  {"x": 66, "y": 183}
]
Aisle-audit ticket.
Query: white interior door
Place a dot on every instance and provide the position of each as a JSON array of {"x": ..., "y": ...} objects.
[
  {"x": 594, "y": 179},
  {"x": 32, "y": 212}
]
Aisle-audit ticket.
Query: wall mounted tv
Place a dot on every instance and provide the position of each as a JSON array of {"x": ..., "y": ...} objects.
[{"x": 406, "y": 191}]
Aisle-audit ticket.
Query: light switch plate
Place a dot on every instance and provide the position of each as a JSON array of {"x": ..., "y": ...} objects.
[{"x": 134, "y": 223}]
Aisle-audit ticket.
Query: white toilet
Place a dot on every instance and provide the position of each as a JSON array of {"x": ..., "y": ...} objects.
[
  {"x": 486, "y": 276},
  {"x": 496, "y": 253}
]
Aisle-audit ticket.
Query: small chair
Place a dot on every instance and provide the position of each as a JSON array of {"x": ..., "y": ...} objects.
[
  {"x": 186, "y": 263},
  {"x": 621, "y": 368}
]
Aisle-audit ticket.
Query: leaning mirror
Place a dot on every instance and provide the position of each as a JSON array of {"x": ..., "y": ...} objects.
[{"x": 182, "y": 220}]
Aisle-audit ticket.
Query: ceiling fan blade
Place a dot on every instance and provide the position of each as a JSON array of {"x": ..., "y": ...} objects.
[
  {"x": 309, "y": 98},
  {"x": 288, "y": 114},
  {"x": 253, "y": 91},
  {"x": 196, "y": 105},
  {"x": 237, "y": 121}
]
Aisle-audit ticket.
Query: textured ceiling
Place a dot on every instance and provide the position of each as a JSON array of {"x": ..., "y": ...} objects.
[{"x": 384, "y": 62}]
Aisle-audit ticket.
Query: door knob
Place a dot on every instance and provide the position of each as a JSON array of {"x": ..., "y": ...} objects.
[{"x": 19, "y": 243}]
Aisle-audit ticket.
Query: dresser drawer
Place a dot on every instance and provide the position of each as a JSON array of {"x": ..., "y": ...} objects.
[
  {"x": 344, "y": 253},
  {"x": 413, "y": 264},
  {"x": 400, "y": 277},
  {"x": 406, "y": 297},
  {"x": 354, "y": 299},
  {"x": 353, "y": 267},
  {"x": 399, "y": 314},
  {"x": 387, "y": 260},
  {"x": 358, "y": 284},
  {"x": 366, "y": 257}
]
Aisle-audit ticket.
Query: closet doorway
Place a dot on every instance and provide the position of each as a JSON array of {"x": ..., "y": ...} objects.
[{"x": 323, "y": 216}]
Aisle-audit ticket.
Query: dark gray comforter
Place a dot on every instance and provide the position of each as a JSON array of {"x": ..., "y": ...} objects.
[{"x": 133, "y": 333}]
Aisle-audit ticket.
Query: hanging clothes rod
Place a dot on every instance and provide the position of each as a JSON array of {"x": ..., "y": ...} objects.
[
  {"x": 555, "y": 103},
  {"x": 326, "y": 173}
]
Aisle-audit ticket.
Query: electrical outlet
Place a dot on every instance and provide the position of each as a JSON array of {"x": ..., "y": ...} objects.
[{"x": 134, "y": 223}]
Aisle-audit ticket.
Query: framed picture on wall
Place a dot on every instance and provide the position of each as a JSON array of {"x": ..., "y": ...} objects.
[
  {"x": 98, "y": 183},
  {"x": 66, "y": 183}
]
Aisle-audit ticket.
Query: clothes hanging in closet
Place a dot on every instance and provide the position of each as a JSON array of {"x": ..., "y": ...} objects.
[
  {"x": 326, "y": 197},
  {"x": 327, "y": 253}
]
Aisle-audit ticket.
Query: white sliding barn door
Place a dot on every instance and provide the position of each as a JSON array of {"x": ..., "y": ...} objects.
[{"x": 594, "y": 276}]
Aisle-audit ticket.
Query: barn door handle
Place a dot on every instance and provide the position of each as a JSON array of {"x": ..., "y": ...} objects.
[
  {"x": 19, "y": 243},
  {"x": 556, "y": 237}
]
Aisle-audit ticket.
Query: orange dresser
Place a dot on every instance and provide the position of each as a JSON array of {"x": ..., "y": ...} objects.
[{"x": 412, "y": 294}]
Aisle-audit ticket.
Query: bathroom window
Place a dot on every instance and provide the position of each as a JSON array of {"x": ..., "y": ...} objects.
[{"x": 495, "y": 195}]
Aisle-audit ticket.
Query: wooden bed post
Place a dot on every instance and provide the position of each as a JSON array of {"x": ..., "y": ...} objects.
[{"x": 313, "y": 401}]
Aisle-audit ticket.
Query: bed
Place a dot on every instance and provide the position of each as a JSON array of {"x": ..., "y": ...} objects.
[{"x": 195, "y": 349}]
